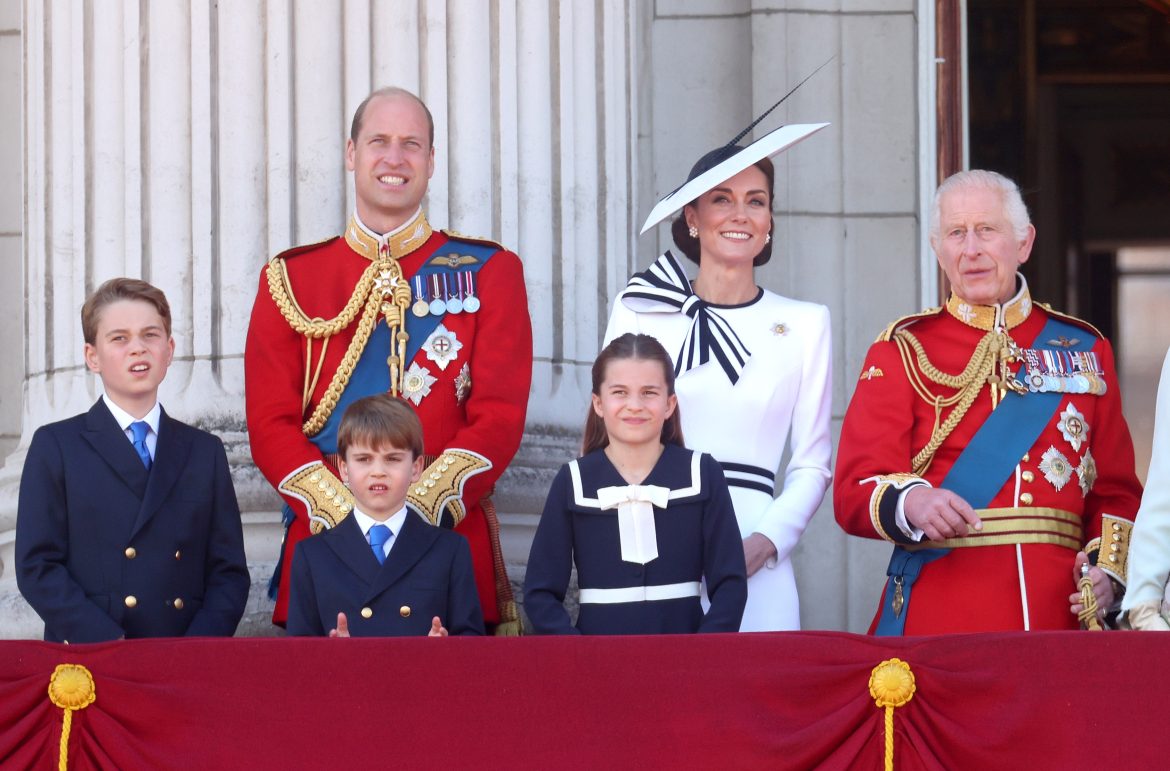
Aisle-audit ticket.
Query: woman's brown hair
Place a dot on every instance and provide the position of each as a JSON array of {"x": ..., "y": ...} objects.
[{"x": 641, "y": 348}]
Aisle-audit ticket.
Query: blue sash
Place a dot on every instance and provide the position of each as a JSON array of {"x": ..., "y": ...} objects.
[
  {"x": 371, "y": 375},
  {"x": 984, "y": 466}
]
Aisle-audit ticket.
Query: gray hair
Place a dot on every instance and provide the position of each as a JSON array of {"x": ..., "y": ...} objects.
[{"x": 1013, "y": 204}]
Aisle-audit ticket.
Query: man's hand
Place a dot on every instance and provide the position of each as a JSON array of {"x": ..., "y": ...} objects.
[
  {"x": 940, "y": 514},
  {"x": 757, "y": 550},
  {"x": 1102, "y": 588},
  {"x": 342, "y": 629},
  {"x": 437, "y": 628}
]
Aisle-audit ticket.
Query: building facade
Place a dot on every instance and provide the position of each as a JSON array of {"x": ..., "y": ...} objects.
[{"x": 187, "y": 143}]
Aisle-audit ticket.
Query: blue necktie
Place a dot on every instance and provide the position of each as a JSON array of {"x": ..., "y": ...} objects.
[
  {"x": 379, "y": 535},
  {"x": 140, "y": 429}
]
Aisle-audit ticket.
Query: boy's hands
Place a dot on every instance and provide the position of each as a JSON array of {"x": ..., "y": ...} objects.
[{"x": 342, "y": 629}]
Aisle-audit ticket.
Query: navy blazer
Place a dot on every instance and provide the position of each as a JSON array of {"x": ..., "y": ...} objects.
[
  {"x": 106, "y": 549},
  {"x": 427, "y": 574}
]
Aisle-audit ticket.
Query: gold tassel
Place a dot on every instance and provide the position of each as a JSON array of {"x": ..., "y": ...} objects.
[
  {"x": 891, "y": 684},
  {"x": 70, "y": 688}
]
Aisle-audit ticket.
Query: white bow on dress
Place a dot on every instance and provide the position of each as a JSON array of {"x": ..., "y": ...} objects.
[{"x": 635, "y": 505}]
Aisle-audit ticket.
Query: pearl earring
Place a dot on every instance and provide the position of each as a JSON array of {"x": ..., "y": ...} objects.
[
  {"x": 694, "y": 231},
  {"x": 768, "y": 238}
]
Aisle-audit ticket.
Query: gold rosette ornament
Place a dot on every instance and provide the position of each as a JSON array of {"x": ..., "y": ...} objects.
[
  {"x": 70, "y": 688},
  {"x": 891, "y": 684}
]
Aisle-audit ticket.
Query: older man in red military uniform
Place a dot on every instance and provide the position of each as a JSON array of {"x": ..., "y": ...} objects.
[
  {"x": 438, "y": 319},
  {"x": 985, "y": 440}
]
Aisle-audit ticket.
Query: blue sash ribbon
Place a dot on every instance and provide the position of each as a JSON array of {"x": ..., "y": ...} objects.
[
  {"x": 983, "y": 467},
  {"x": 371, "y": 375}
]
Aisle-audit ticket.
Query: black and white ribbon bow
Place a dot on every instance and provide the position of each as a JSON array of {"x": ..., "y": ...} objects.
[{"x": 664, "y": 288}]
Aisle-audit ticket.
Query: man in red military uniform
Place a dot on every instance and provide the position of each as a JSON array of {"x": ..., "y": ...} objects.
[
  {"x": 438, "y": 319},
  {"x": 985, "y": 440}
]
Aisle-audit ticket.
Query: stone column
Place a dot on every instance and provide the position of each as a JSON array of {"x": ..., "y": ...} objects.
[{"x": 186, "y": 143}]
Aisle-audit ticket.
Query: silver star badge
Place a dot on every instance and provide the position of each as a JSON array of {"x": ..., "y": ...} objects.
[
  {"x": 1087, "y": 472},
  {"x": 442, "y": 346},
  {"x": 1056, "y": 467},
  {"x": 417, "y": 383},
  {"x": 1073, "y": 427}
]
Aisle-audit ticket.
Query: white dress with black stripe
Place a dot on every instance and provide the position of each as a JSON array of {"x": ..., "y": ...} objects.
[{"x": 782, "y": 394}]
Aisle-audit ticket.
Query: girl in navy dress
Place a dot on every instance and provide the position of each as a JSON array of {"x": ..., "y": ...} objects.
[{"x": 646, "y": 521}]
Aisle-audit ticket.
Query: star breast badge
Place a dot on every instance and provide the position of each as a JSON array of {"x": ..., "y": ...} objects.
[
  {"x": 417, "y": 383},
  {"x": 442, "y": 347}
]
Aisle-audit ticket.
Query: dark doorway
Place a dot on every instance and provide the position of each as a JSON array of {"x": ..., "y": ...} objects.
[{"x": 1072, "y": 99}]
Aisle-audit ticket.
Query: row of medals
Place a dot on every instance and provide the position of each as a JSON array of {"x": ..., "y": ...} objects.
[{"x": 443, "y": 299}]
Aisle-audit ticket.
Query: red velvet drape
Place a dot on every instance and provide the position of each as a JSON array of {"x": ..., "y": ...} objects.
[{"x": 790, "y": 701}]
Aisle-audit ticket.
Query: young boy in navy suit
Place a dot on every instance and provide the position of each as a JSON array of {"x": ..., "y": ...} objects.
[
  {"x": 383, "y": 571},
  {"x": 127, "y": 523}
]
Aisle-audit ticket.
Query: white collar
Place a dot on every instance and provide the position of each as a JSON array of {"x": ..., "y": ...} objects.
[
  {"x": 395, "y": 522},
  {"x": 124, "y": 418}
]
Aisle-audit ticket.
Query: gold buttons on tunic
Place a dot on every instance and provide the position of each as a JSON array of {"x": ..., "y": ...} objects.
[
  {"x": 178, "y": 603},
  {"x": 367, "y": 613},
  {"x": 1028, "y": 476},
  {"x": 1026, "y": 499},
  {"x": 131, "y": 552},
  {"x": 131, "y": 601},
  {"x": 178, "y": 554},
  {"x": 404, "y": 611},
  {"x": 1026, "y": 457}
]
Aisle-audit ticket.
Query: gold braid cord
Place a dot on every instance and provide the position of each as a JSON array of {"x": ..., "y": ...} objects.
[
  {"x": 989, "y": 364},
  {"x": 381, "y": 288},
  {"x": 1088, "y": 614}
]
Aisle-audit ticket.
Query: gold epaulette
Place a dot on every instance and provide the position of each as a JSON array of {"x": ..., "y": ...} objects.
[
  {"x": 1072, "y": 320},
  {"x": 328, "y": 500},
  {"x": 888, "y": 333},
  {"x": 442, "y": 483},
  {"x": 454, "y": 236}
]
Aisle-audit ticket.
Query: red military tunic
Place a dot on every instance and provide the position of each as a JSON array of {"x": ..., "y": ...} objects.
[
  {"x": 1079, "y": 469},
  {"x": 476, "y": 403}
]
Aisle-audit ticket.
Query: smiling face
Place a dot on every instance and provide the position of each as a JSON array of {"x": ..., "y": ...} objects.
[
  {"x": 977, "y": 247},
  {"x": 131, "y": 352},
  {"x": 633, "y": 402},
  {"x": 379, "y": 477},
  {"x": 733, "y": 218},
  {"x": 392, "y": 161}
]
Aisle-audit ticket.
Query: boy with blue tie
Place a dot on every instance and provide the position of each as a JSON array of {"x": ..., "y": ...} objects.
[
  {"x": 382, "y": 571},
  {"x": 127, "y": 523}
]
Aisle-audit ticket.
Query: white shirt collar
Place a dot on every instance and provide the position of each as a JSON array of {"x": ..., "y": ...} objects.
[
  {"x": 395, "y": 522},
  {"x": 124, "y": 418}
]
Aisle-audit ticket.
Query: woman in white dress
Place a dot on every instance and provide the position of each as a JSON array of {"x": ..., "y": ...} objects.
[
  {"x": 753, "y": 368},
  {"x": 1145, "y": 604}
]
